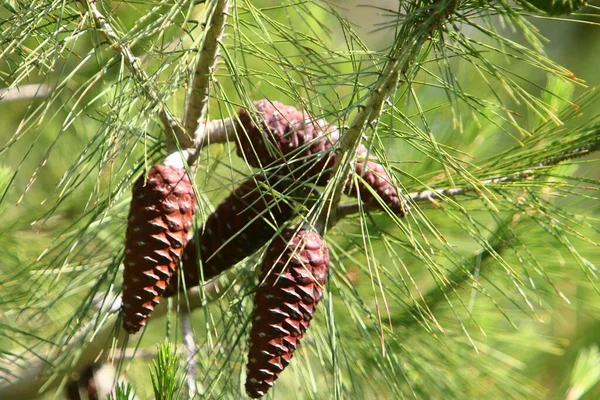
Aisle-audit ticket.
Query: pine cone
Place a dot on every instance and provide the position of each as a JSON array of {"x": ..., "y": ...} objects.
[
  {"x": 297, "y": 142},
  {"x": 291, "y": 285},
  {"x": 286, "y": 137},
  {"x": 241, "y": 224},
  {"x": 160, "y": 217},
  {"x": 373, "y": 174}
]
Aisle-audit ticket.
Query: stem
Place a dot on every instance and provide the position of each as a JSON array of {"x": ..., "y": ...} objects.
[
  {"x": 437, "y": 194},
  {"x": 198, "y": 98},
  {"x": 174, "y": 134},
  {"x": 214, "y": 131},
  {"x": 190, "y": 351},
  {"x": 570, "y": 154}
]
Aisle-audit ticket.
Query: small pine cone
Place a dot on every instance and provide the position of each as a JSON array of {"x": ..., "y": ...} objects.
[
  {"x": 373, "y": 174},
  {"x": 287, "y": 137},
  {"x": 291, "y": 285},
  {"x": 241, "y": 224},
  {"x": 160, "y": 217}
]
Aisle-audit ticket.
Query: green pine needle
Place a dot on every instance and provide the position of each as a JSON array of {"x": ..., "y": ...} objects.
[
  {"x": 165, "y": 373},
  {"x": 586, "y": 372},
  {"x": 123, "y": 391}
]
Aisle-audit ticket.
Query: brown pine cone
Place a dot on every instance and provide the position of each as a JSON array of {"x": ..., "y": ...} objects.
[
  {"x": 296, "y": 141},
  {"x": 286, "y": 137},
  {"x": 373, "y": 174},
  {"x": 160, "y": 216},
  {"x": 291, "y": 285},
  {"x": 243, "y": 223}
]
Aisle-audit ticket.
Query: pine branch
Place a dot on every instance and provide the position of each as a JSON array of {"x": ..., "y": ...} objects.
[
  {"x": 38, "y": 376},
  {"x": 435, "y": 194},
  {"x": 402, "y": 59},
  {"x": 174, "y": 134},
  {"x": 223, "y": 130},
  {"x": 207, "y": 60},
  {"x": 580, "y": 151},
  {"x": 414, "y": 29},
  {"x": 165, "y": 375},
  {"x": 438, "y": 194},
  {"x": 212, "y": 132}
]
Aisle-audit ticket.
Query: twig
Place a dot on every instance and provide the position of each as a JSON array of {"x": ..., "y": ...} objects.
[
  {"x": 24, "y": 92},
  {"x": 198, "y": 99},
  {"x": 190, "y": 351},
  {"x": 346, "y": 210},
  {"x": 572, "y": 153},
  {"x": 214, "y": 131},
  {"x": 174, "y": 133},
  {"x": 37, "y": 376},
  {"x": 436, "y": 194}
]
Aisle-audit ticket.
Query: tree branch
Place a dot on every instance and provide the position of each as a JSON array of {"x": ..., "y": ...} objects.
[
  {"x": 214, "y": 131},
  {"x": 437, "y": 194},
  {"x": 198, "y": 98},
  {"x": 173, "y": 131}
]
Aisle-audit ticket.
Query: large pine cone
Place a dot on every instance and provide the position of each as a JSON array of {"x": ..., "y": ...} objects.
[
  {"x": 243, "y": 223},
  {"x": 291, "y": 285},
  {"x": 162, "y": 208},
  {"x": 286, "y": 137}
]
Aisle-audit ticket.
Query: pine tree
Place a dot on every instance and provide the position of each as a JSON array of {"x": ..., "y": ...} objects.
[{"x": 445, "y": 160}]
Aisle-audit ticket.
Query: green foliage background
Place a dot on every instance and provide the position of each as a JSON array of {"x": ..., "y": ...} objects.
[{"x": 510, "y": 282}]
